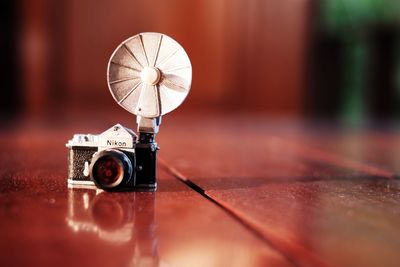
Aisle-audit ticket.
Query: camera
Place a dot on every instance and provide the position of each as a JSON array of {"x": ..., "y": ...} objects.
[
  {"x": 115, "y": 160},
  {"x": 149, "y": 75}
]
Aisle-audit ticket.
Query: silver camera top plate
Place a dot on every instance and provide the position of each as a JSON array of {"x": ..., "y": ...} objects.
[
  {"x": 117, "y": 137},
  {"x": 83, "y": 140}
]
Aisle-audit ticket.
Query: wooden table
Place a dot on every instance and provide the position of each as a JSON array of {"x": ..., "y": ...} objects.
[{"x": 239, "y": 190}]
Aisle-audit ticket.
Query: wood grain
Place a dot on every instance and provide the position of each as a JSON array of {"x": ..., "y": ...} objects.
[
  {"x": 255, "y": 192},
  {"x": 303, "y": 189},
  {"x": 42, "y": 223}
]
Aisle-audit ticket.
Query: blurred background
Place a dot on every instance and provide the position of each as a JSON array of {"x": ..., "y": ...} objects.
[{"x": 336, "y": 59}]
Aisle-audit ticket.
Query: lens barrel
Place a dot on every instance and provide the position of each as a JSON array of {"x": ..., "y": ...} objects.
[{"x": 109, "y": 168}]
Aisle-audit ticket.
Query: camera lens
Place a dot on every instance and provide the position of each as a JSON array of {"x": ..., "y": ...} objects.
[{"x": 109, "y": 168}]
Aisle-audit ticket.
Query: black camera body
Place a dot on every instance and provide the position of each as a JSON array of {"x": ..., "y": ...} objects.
[{"x": 115, "y": 160}]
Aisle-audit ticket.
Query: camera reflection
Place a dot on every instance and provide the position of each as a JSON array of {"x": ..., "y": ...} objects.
[{"x": 122, "y": 221}]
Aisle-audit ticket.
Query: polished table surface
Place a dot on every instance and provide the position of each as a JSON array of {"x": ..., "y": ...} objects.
[{"x": 239, "y": 190}]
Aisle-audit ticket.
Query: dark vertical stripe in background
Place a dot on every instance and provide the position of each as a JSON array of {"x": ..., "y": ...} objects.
[
  {"x": 354, "y": 60},
  {"x": 10, "y": 63}
]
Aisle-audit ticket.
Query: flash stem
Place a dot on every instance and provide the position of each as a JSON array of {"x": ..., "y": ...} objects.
[{"x": 148, "y": 125}]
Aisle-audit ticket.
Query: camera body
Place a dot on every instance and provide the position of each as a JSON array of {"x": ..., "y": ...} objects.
[{"x": 115, "y": 160}]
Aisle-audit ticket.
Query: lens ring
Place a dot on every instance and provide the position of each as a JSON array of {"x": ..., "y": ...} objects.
[
  {"x": 109, "y": 168},
  {"x": 108, "y": 171}
]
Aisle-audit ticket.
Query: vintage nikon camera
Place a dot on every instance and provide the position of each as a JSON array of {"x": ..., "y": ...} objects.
[
  {"x": 113, "y": 160},
  {"x": 149, "y": 75}
]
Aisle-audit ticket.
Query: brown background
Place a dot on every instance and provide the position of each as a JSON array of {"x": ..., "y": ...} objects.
[
  {"x": 287, "y": 58},
  {"x": 246, "y": 55}
]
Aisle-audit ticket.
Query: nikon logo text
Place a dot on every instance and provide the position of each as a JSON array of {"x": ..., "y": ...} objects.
[{"x": 115, "y": 143}]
